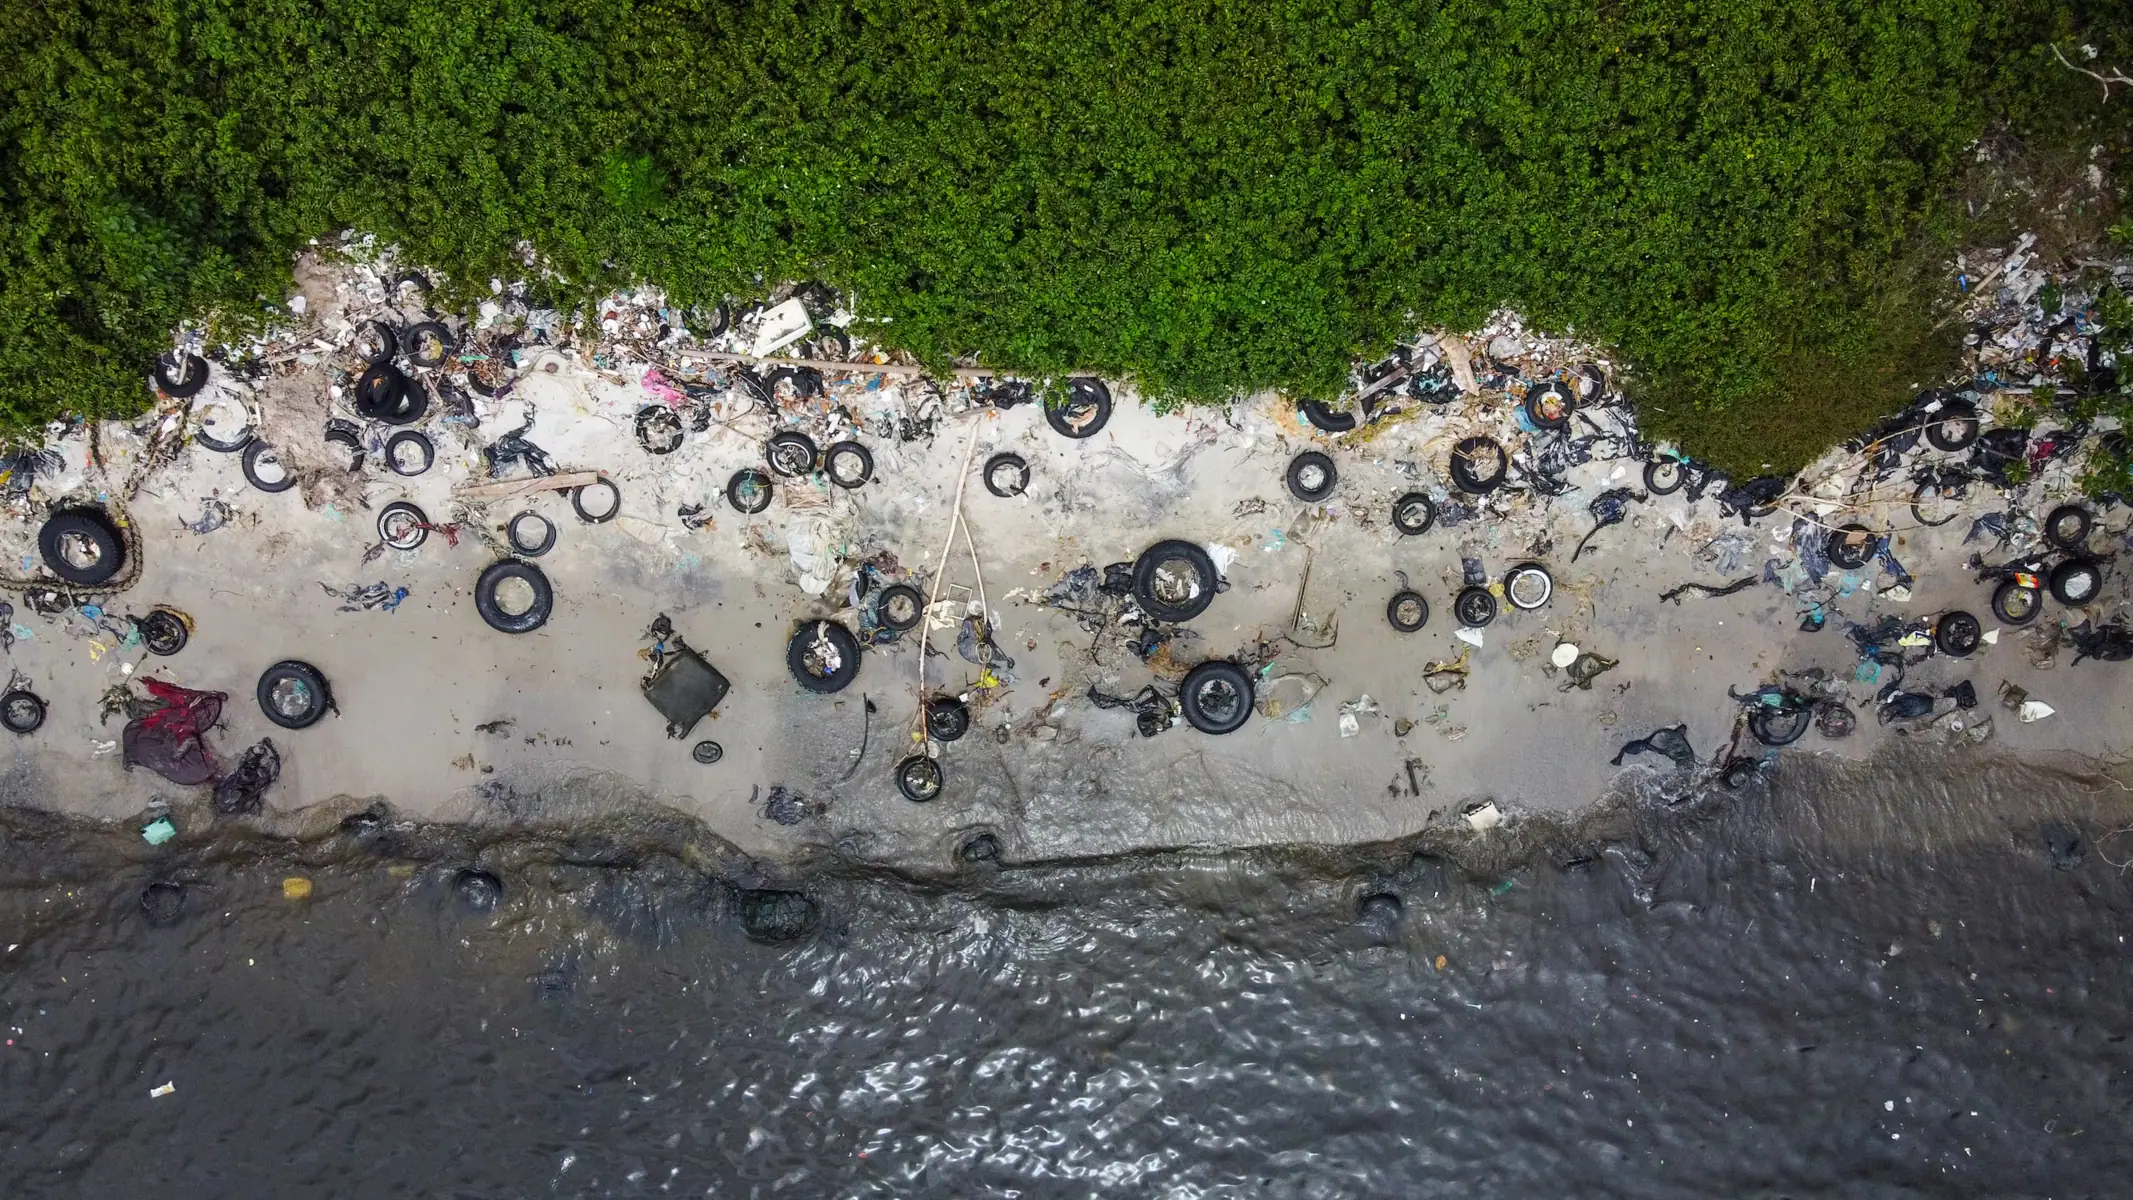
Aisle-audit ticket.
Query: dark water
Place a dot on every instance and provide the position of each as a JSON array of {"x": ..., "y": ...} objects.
[{"x": 1905, "y": 979}]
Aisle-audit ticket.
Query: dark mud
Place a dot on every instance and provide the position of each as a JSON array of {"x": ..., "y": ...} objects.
[{"x": 1909, "y": 977}]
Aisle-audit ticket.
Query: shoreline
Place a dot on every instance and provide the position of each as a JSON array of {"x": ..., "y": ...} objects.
[{"x": 422, "y": 687}]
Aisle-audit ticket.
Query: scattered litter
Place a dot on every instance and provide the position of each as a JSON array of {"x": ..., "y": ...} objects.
[
  {"x": 1483, "y": 816},
  {"x": 166, "y": 1089},
  {"x": 1671, "y": 742},
  {"x": 1563, "y": 655},
  {"x": 1352, "y": 709},
  {"x": 1470, "y": 636},
  {"x": 241, "y": 792},
  {"x": 295, "y": 887},
  {"x": 158, "y": 831},
  {"x": 357, "y": 597},
  {"x": 1710, "y": 589},
  {"x": 2034, "y": 710}
]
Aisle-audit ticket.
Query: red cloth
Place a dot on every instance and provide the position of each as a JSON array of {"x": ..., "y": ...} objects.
[{"x": 171, "y": 741}]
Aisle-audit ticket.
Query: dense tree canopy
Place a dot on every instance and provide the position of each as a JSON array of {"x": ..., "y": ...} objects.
[{"x": 1206, "y": 195}]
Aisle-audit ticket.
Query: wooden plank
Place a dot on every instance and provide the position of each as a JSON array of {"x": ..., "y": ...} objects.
[{"x": 508, "y": 488}]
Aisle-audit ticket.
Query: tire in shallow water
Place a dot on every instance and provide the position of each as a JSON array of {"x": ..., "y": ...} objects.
[
  {"x": 82, "y": 546},
  {"x": 2076, "y": 582},
  {"x": 900, "y": 606},
  {"x": 508, "y": 570},
  {"x": 1312, "y": 476},
  {"x": 748, "y": 491},
  {"x": 162, "y": 905},
  {"x": 1006, "y": 475},
  {"x": 2016, "y": 603},
  {"x": 1957, "y": 634},
  {"x": 478, "y": 891},
  {"x": 823, "y": 657},
  {"x": 1413, "y": 514},
  {"x": 2068, "y": 526},
  {"x": 293, "y": 694},
  {"x": 1475, "y": 607},
  {"x": 1160, "y": 590},
  {"x": 1216, "y": 697},
  {"x": 1407, "y": 611}
]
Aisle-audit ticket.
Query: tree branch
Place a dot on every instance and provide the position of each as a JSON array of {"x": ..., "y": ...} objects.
[{"x": 2115, "y": 75}]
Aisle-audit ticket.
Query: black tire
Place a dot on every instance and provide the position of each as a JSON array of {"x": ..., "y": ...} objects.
[
  {"x": 1478, "y": 465},
  {"x": 505, "y": 570},
  {"x": 1519, "y": 583},
  {"x": 293, "y": 694},
  {"x": 21, "y": 711},
  {"x": 1407, "y": 611},
  {"x": 2016, "y": 603},
  {"x": 848, "y": 464},
  {"x": 1781, "y": 726},
  {"x": 792, "y": 454},
  {"x": 596, "y": 516},
  {"x": 1216, "y": 697},
  {"x": 266, "y": 480},
  {"x": 900, "y": 607},
  {"x": 707, "y": 752},
  {"x": 1935, "y": 494},
  {"x": 830, "y": 345},
  {"x": 2076, "y": 582},
  {"x": 1475, "y": 607},
  {"x": 375, "y": 343},
  {"x": 429, "y": 344},
  {"x": 180, "y": 377},
  {"x": 1327, "y": 419},
  {"x": 947, "y": 719},
  {"x": 1304, "y": 468},
  {"x": 163, "y": 632},
  {"x": 1548, "y": 405},
  {"x": 823, "y": 657},
  {"x": 1664, "y": 476},
  {"x": 398, "y": 447},
  {"x": 806, "y": 381},
  {"x": 1848, "y": 549},
  {"x": 229, "y": 445},
  {"x": 919, "y": 778},
  {"x": 82, "y": 546},
  {"x": 402, "y": 526},
  {"x": 2068, "y": 525},
  {"x": 1006, "y": 475},
  {"x": 1957, "y": 634},
  {"x": 1952, "y": 428},
  {"x": 1413, "y": 514},
  {"x": 530, "y": 534},
  {"x": 382, "y": 393},
  {"x": 1084, "y": 412},
  {"x": 716, "y": 320},
  {"x": 748, "y": 491},
  {"x": 338, "y": 434},
  {"x": 1161, "y": 593},
  {"x": 659, "y": 429},
  {"x": 1590, "y": 383}
]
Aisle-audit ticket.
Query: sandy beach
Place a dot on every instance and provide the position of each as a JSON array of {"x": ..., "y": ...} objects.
[{"x": 443, "y": 717}]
